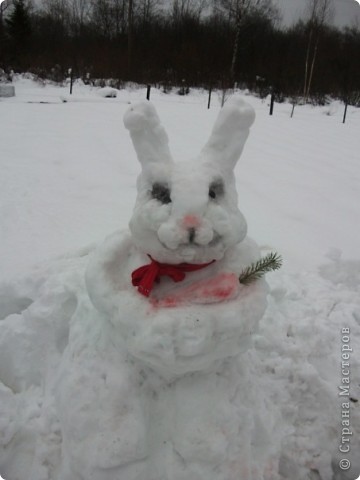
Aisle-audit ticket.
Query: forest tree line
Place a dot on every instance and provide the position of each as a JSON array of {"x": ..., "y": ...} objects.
[{"x": 191, "y": 42}]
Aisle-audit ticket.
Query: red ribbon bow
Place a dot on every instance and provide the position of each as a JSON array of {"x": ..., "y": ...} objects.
[{"x": 144, "y": 277}]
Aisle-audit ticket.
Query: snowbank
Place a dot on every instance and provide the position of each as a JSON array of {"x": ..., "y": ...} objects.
[
  {"x": 295, "y": 365},
  {"x": 107, "y": 92}
]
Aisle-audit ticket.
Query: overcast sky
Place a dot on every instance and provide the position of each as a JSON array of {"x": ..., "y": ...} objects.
[{"x": 347, "y": 12}]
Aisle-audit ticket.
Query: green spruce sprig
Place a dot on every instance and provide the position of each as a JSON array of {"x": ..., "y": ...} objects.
[{"x": 270, "y": 262}]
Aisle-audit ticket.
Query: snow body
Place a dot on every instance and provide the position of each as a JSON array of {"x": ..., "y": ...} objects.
[
  {"x": 174, "y": 409},
  {"x": 167, "y": 397},
  {"x": 292, "y": 363}
]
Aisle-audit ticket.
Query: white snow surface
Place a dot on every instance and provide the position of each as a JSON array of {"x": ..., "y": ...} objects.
[{"x": 71, "y": 403}]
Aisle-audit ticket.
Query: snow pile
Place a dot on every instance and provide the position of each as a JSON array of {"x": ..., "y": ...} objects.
[
  {"x": 7, "y": 91},
  {"x": 311, "y": 324},
  {"x": 33, "y": 337},
  {"x": 98, "y": 382},
  {"x": 107, "y": 92},
  {"x": 294, "y": 364}
]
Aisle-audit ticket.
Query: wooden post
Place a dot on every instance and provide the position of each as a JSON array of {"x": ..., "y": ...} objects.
[
  {"x": 210, "y": 89},
  {"x": 223, "y": 97},
  {"x": 148, "y": 92},
  {"x": 71, "y": 79},
  {"x": 292, "y": 111},
  {"x": 182, "y": 89},
  {"x": 272, "y": 101},
  {"x": 345, "y": 111}
]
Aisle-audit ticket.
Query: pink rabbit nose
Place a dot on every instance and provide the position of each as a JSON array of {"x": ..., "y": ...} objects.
[{"x": 191, "y": 221}]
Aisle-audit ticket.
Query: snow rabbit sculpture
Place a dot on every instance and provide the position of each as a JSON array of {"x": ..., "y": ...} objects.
[{"x": 154, "y": 385}]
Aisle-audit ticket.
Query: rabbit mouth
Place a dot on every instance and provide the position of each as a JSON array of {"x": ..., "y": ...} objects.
[{"x": 193, "y": 244}]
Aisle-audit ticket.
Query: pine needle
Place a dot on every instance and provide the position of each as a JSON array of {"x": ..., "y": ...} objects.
[{"x": 270, "y": 262}]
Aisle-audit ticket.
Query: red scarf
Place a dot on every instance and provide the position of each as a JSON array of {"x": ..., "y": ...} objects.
[{"x": 145, "y": 276}]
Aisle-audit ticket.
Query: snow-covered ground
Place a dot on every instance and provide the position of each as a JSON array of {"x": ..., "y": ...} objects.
[{"x": 68, "y": 176}]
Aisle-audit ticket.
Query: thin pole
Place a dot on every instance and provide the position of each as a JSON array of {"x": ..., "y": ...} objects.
[
  {"x": 71, "y": 80},
  {"x": 209, "y": 98},
  {"x": 345, "y": 111},
  {"x": 272, "y": 101},
  {"x": 148, "y": 92}
]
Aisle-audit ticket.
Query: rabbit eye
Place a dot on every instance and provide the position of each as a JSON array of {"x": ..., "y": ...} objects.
[
  {"x": 212, "y": 193},
  {"x": 161, "y": 193},
  {"x": 216, "y": 189}
]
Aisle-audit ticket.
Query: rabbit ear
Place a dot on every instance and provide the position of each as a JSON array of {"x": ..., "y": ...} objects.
[
  {"x": 148, "y": 135},
  {"x": 229, "y": 134}
]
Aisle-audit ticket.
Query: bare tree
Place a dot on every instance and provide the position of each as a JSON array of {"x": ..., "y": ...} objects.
[
  {"x": 187, "y": 8},
  {"x": 102, "y": 17},
  {"x": 130, "y": 33},
  {"x": 319, "y": 12},
  {"x": 147, "y": 10},
  {"x": 80, "y": 14},
  {"x": 119, "y": 15},
  {"x": 237, "y": 11},
  {"x": 58, "y": 10},
  {"x": 4, "y": 6},
  {"x": 109, "y": 17}
]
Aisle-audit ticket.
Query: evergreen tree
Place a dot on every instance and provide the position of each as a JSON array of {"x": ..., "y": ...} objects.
[
  {"x": 3, "y": 37},
  {"x": 19, "y": 31}
]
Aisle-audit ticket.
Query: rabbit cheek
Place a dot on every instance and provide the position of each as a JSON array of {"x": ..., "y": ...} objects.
[
  {"x": 171, "y": 235},
  {"x": 231, "y": 227},
  {"x": 240, "y": 227},
  {"x": 234, "y": 230},
  {"x": 150, "y": 216},
  {"x": 220, "y": 220}
]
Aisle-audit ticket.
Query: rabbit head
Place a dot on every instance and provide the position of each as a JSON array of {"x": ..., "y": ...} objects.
[{"x": 187, "y": 211}]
